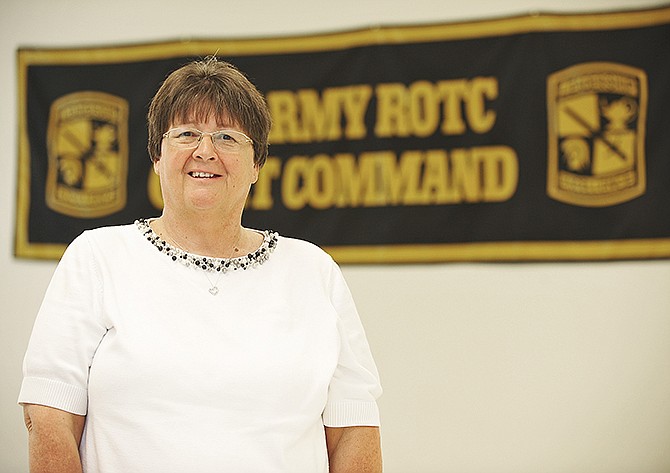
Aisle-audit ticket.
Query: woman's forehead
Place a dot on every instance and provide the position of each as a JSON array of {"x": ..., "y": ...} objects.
[{"x": 221, "y": 117}]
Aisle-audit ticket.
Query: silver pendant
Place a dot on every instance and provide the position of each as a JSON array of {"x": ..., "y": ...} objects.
[{"x": 213, "y": 290}]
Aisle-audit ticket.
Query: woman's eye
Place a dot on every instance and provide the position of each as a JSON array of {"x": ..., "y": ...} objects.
[
  {"x": 226, "y": 137},
  {"x": 186, "y": 134}
]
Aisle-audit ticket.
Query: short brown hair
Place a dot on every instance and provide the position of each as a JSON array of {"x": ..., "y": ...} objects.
[{"x": 204, "y": 88}]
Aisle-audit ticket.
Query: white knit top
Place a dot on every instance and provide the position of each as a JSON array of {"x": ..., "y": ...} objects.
[{"x": 174, "y": 379}]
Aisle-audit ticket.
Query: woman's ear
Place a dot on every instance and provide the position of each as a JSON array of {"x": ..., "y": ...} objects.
[
  {"x": 257, "y": 170},
  {"x": 156, "y": 165}
]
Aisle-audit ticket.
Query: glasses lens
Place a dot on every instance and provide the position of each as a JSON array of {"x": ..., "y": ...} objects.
[
  {"x": 184, "y": 137},
  {"x": 227, "y": 140}
]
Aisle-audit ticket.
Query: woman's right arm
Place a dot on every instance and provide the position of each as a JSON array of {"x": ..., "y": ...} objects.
[{"x": 53, "y": 439}]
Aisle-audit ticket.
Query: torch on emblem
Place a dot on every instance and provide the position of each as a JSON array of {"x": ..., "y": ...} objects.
[{"x": 596, "y": 126}]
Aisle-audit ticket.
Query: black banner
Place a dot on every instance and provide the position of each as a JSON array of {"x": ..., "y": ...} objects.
[{"x": 532, "y": 138}]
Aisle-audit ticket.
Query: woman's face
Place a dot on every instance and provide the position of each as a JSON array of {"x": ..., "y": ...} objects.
[{"x": 205, "y": 178}]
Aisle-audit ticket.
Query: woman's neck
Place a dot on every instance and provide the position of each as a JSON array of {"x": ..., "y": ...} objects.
[{"x": 204, "y": 235}]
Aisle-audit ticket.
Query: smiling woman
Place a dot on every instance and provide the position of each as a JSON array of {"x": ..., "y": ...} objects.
[{"x": 225, "y": 336}]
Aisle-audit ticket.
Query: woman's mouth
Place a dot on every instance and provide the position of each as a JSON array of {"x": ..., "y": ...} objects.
[{"x": 202, "y": 175}]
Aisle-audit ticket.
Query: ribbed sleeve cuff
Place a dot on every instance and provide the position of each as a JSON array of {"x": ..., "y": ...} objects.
[
  {"x": 351, "y": 413},
  {"x": 47, "y": 392}
]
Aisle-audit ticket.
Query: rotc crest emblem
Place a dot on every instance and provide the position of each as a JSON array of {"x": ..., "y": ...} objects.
[
  {"x": 597, "y": 117},
  {"x": 87, "y": 147}
]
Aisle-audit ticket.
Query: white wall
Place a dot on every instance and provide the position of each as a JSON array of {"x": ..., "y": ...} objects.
[{"x": 487, "y": 368}]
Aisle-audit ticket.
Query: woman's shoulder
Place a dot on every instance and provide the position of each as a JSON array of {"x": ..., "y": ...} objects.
[
  {"x": 110, "y": 231},
  {"x": 105, "y": 237},
  {"x": 99, "y": 242},
  {"x": 299, "y": 245},
  {"x": 303, "y": 251}
]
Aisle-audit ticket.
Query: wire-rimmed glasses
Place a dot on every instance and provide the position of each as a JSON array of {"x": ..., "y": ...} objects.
[{"x": 223, "y": 140}]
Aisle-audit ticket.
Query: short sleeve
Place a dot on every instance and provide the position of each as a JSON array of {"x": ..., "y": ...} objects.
[
  {"x": 67, "y": 331},
  {"x": 355, "y": 386}
]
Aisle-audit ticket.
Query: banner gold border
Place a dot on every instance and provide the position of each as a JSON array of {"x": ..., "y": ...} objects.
[
  {"x": 539, "y": 22},
  {"x": 515, "y": 251},
  {"x": 424, "y": 253}
]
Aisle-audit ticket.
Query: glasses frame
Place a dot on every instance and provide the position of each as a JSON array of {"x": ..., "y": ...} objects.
[{"x": 203, "y": 133}]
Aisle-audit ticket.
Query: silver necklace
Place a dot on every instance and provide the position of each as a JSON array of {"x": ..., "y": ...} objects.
[{"x": 214, "y": 287}]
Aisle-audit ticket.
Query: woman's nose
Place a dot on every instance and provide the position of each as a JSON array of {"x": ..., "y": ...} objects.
[{"x": 205, "y": 149}]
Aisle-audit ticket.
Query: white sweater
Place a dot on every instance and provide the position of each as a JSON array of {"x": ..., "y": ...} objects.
[{"x": 173, "y": 379}]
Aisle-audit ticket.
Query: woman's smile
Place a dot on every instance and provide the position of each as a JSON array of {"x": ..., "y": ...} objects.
[{"x": 202, "y": 175}]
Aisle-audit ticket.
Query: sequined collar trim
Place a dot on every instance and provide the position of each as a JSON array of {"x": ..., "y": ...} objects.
[{"x": 217, "y": 265}]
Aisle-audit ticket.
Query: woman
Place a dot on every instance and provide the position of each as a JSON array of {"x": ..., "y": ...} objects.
[{"x": 188, "y": 343}]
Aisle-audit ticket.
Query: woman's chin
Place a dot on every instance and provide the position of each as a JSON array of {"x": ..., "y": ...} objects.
[
  {"x": 204, "y": 199},
  {"x": 200, "y": 206}
]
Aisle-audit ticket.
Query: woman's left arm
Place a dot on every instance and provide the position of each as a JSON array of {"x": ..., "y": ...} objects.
[{"x": 354, "y": 449}]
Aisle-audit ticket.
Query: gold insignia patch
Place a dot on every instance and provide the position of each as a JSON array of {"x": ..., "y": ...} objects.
[
  {"x": 87, "y": 145},
  {"x": 597, "y": 115}
]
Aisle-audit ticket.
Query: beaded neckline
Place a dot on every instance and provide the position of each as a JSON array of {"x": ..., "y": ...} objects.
[{"x": 206, "y": 263}]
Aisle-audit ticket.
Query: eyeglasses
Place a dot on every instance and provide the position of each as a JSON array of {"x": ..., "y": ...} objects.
[{"x": 189, "y": 138}]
